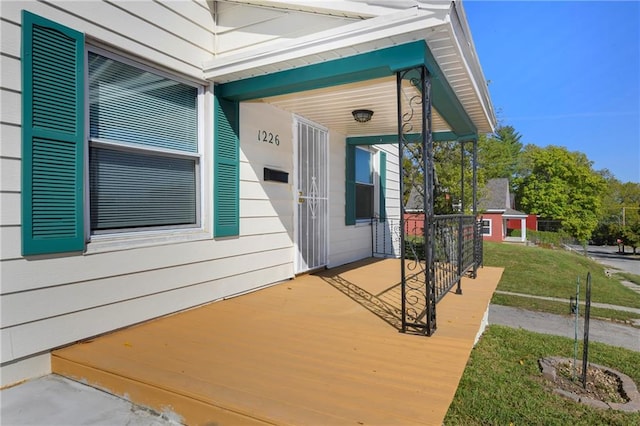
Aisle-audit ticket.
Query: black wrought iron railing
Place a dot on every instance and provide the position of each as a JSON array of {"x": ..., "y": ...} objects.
[{"x": 457, "y": 248}]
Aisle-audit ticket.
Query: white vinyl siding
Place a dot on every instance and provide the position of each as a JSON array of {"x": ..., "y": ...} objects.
[
  {"x": 351, "y": 243},
  {"x": 51, "y": 301}
]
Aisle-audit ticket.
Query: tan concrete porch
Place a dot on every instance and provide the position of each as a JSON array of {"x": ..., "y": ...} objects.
[{"x": 322, "y": 349}]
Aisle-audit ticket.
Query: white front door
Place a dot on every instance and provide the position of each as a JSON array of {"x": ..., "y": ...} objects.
[{"x": 312, "y": 196}]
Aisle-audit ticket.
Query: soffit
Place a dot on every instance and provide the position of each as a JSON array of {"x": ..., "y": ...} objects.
[{"x": 440, "y": 28}]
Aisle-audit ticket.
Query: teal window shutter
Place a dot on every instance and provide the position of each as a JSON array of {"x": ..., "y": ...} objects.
[
  {"x": 383, "y": 185},
  {"x": 52, "y": 137},
  {"x": 350, "y": 186},
  {"x": 226, "y": 174}
]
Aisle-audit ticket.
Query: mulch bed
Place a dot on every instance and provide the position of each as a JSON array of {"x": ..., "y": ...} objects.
[{"x": 605, "y": 387}]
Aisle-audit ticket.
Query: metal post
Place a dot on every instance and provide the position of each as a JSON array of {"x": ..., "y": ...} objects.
[
  {"x": 461, "y": 177},
  {"x": 575, "y": 309},
  {"x": 474, "y": 192},
  {"x": 418, "y": 289},
  {"x": 475, "y": 177},
  {"x": 585, "y": 348},
  {"x": 460, "y": 237},
  {"x": 430, "y": 241},
  {"x": 401, "y": 141},
  {"x": 460, "y": 225}
]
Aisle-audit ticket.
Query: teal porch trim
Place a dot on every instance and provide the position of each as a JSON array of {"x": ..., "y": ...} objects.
[
  {"x": 52, "y": 137},
  {"x": 391, "y": 139},
  {"x": 365, "y": 66}
]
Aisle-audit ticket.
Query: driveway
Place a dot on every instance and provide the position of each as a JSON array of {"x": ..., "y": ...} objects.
[{"x": 610, "y": 257}]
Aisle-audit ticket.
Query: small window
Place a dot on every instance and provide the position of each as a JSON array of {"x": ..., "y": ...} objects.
[
  {"x": 486, "y": 226},
  {"x": 364, "y": 184},
  {"x": 143, "y": 148}
]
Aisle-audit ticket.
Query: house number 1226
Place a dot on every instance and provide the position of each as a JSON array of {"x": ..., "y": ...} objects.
[{"x": 268, "y": 137}]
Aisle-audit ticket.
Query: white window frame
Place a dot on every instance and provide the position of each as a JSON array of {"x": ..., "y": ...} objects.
[
  {"x": 490, "y": 226},
  {"x": 158, "y": 233},
  {"x": 375, "y": 185}
]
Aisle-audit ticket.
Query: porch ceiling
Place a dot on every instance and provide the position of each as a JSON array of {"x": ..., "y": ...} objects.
[{"x": 332, "y": 107}]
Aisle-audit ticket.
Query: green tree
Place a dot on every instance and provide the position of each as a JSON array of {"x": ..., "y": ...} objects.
[
  {"x": 630, "y": 211},
  {"x": 499, "y": 154},
  {"x": 620, "y": 216},
  {"x": 448, "y": 163},
  {"x": 631, "y": 235},
  {"x": 560, "y": 184}
]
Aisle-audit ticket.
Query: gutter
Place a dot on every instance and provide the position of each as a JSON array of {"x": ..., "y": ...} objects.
[
  {"x": 461, "y": 32},
  {"x": 338, "y": 42},
  {"x": 357, "y": 9}
]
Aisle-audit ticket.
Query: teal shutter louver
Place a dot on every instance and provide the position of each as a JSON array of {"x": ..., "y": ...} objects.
[
  {"x": 383, "y": 186},
  {"x": 227, "y": 165},
  {"x": 350, "y": 186},
  {"x": 52, "y": 137}
]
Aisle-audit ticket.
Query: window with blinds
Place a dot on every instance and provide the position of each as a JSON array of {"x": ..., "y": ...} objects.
[
  {"x": 144, "y": 159},
  {"x": 364, "y": 183}
]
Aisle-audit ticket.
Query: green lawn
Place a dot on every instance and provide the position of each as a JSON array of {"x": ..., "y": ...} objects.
[
  {"x": 502, "y": 383},
  {"x": 553, "y": 272}
]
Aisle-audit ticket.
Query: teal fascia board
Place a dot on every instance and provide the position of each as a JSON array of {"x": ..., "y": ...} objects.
[
  {"x": 390, "y": 139},
  {"x": 467, "y": 138},
  {"x": 366, "y": 66},
  {"x": 372, "y": 140}
]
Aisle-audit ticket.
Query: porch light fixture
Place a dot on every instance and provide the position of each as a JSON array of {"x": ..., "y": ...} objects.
[{"x": 362, "y": 115}]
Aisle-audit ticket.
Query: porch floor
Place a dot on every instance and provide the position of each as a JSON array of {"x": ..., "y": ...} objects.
[{"x": 322, "y": 349}]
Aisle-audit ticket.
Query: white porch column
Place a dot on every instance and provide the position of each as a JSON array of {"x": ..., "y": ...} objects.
[{"x": 523, "y": 229}]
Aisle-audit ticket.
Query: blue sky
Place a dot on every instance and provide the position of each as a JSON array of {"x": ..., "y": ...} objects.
[{"x": 565, "y": 73}]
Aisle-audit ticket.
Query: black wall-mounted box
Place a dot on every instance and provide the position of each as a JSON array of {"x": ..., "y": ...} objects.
[{"x": 275, "y": 175}]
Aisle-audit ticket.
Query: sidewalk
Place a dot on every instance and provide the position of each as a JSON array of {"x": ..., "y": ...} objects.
[
  {"x": 55, "y": 401},
  {"x": 540, "y": 322},
  {"x": 557, "y": 299}
]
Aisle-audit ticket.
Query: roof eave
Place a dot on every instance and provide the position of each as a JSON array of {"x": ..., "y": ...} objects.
[
  {"x": 464, "y": 42},
  {"x": 405, "y": 26},
  {"x": 358, "y": 35},
  {"x": 350, "y": 9}
]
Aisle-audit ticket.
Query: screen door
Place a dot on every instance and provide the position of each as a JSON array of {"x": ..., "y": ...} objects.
[{"x": 312, "y": 196}]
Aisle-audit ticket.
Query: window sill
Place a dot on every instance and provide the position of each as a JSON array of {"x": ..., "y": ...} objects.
[
  {"x": 134, "y": 240},
  {"x": 363, "y": 222}
]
